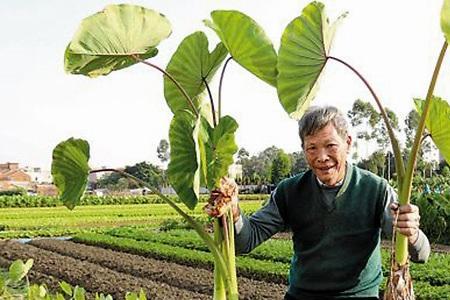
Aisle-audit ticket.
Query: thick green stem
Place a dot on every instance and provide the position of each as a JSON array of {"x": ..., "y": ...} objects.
[
  {"x": 401, "y": 253},
  {"x": 229, "y": 255},
  {"x": 226, "y": 237},
  {"x": 399, "y": 166},
  {"x": 232, "y": 257},
  {"x": 418, "y": 138},
  {"x": 219, "y": 285},
  {"x": 218, "y": 258}
]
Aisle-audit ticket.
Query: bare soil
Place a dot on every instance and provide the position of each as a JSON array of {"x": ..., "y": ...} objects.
[{"x": 113, "y": 272}]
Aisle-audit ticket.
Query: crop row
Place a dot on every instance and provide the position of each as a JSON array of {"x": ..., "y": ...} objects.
[
  {"x": 280, "y": 250},
  {"x": 50, "y": 221},
  {"x": 49, "y": 201},
  {"x": 246, "y": 266},
  {"x": 108, "y": 210},
  {"x": 430, "y": 278}
]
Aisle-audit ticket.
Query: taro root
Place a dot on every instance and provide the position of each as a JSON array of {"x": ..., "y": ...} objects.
[{"x": 220, "y": 199}]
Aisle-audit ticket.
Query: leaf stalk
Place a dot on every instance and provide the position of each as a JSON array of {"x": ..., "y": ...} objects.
[
  {"x": 395, "y": 145},
  {"x": 213, "y": 111},
  {"x": 218, "y": 258},
  {"x": 401, "y": 253},
  {"x": 220, "y": 85},
  {"x": 171, "y": 78}
]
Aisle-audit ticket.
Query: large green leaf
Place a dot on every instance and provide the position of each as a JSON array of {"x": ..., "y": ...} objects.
[
  {"x": 219, "y": 147},
  {"x": 304, "y": 48},
  {"x": 18, "y": 269},
  {"x": 190, "y": 65},
  {"x": 438, "y": 123},
  {"x": 107, "y": 40},
  {"x": 184, "y": 165},
  {"x": 247, "y": 43},
  {"x": 445, "y": 19},
  {"x": 70, "y": 170}
]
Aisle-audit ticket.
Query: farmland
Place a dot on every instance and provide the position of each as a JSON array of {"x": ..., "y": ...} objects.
[
  {"x": 58, "y": 221},
  {"x": 120, "y": 248}
]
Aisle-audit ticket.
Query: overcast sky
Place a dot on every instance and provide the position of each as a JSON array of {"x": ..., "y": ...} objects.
[{"x": 394, "y": 44}]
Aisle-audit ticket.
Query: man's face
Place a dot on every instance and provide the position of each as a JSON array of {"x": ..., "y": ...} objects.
[{"x": 326, "y": 152}]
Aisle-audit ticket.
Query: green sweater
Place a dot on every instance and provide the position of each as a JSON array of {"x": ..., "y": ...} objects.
[{"x": 336, "y": 233}]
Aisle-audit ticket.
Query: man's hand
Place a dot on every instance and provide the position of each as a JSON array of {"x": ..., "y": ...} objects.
[
  {"x": 224, "y": 198},
  {"x": 407, "y": 221}
]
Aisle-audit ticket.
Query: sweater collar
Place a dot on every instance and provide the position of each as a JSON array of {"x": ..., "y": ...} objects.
[
  {"x": 323, "y": 185},
  {"x": 339, "y": 183},
  {"x": 347, "y": 178}
]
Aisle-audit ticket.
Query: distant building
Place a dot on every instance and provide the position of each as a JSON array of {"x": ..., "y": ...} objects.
[
  {"x": 38, "y": 175},
  {"x": 32, "y": 180},
  {"x": 11, "y": 177}
]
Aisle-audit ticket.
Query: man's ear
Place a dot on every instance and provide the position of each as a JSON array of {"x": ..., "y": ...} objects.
[{"x": 349, "y": 143}]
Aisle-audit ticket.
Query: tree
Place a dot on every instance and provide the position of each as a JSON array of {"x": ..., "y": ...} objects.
[
  {"x": 374, "y": 163},
  {"x": 108, "y": 180},
  {"x": 242, "y": 155},
  {"x": 281, "y": 167},
  {"x": 380, "y": 132},
  {"x": 266, "y": 158},
  {"x": 256, "y": 166},
  {"x": 412, "y": 122},
  {"x": 362, "y": 113},
  {"x": 149, "y": 173},
  {"x": 299, "y": 163},
  {"x": 163, "y": 151},
  {"x": 363, "y": 118},
  {"x": 123, "y": 184}
]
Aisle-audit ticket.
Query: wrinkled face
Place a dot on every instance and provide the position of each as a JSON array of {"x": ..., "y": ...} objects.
[{"x": 326, "y": 152}]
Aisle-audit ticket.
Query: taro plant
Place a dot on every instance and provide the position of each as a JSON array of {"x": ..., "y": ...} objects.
[
  {"x": 14, "y": 284},
  {"x": 202, "y": 141},
  {"x": 11, "y": 282},
  {"x": 303, "y": 54}
]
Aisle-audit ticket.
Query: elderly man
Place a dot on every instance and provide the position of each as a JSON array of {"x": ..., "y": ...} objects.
[{"x": 336, "y": 212}]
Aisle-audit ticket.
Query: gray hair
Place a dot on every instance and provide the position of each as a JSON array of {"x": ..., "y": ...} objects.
[{"x": 316, "y": 118}]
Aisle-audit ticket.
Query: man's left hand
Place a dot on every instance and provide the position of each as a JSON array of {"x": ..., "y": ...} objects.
[{"x": 408, "y": 221}]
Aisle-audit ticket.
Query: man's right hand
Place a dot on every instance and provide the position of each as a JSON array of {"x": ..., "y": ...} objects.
[{"x": 223, "y": 199}]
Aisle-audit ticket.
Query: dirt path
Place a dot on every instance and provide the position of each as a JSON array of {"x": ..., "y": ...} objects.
[{"x": 136, "y": 269}]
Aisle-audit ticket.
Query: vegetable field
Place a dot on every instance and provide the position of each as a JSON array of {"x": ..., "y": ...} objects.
[
  {"x": 58, "y": 221},
  {"x": 106, "y": 255}
]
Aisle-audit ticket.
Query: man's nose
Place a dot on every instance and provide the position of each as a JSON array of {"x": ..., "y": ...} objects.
[{"x": 322, "y": 155}]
